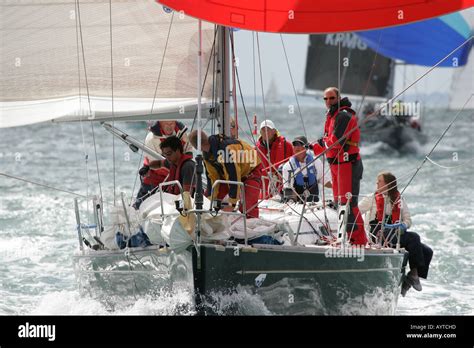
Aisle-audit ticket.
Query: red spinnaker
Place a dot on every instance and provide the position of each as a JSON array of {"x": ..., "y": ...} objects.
[{"x": 314, "y": 16}]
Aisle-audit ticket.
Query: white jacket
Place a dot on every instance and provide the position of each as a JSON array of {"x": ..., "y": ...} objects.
[{"x": 368, "y": 209}]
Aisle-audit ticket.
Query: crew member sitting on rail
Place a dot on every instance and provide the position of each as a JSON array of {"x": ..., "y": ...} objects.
[
  {"x": 235, "y": 160},
  {"x": 387, "y": 208},
  {"x": 302, "y": 172}
]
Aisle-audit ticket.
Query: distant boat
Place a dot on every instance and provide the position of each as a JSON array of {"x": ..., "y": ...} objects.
[{"x": 273, "y": 97}]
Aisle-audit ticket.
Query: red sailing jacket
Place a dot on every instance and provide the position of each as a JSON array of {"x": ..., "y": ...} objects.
[
  {"x": 280, "y": 150},
  {"x": 175, "y": 172},
  {"x": 154, "y": 177},
  {"x": 351, "y": 144},
  {"x": 380, "y": 203}
]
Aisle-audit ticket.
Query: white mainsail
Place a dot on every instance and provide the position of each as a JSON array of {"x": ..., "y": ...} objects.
[{"x": 56, "y": 54}]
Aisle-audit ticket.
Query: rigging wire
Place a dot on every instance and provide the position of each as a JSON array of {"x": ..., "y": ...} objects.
[
  {"x": 86, "y": 155},
  {"x": 266, "y": 142},
  {"x": 42, "y": 185},
  {"x": 254, "y": 74},
  {"x": 436, "y": 144},
  {"x": 212, "y": 59},
  {"x": 242, "y": 98},
  {"x": 366, "y": 88},
  {"x": 88, "y": 96},
  {"x": 450, "y": 167},
  {"x": 261, "y": 77},
  {"x": 234, "y": 89},
  {"x": 293, "y": 85},
  {"x": 252, "y": 137},
  {"x": 112, "y": 90},
  {"x": 153, "y": 101}
]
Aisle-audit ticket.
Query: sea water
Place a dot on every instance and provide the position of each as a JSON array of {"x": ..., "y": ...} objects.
[{"x": 37, "y": 225}]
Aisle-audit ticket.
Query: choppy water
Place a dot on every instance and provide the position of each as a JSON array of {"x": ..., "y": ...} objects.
[{"x": 37, "y": 225}]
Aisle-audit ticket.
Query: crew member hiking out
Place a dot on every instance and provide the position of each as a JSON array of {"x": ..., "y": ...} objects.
[
  {"x": 387, "y": 208},
  {"x": 234, "y": 160},
  {"x": 344, "y": 158}
]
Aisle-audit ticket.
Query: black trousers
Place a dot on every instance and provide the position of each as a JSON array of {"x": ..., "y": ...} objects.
[{"x": 419, "y": 254}]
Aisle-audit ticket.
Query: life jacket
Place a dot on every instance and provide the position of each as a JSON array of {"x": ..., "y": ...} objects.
[
  {"x": 310, "y": 171},
  {"x": 380, "y": 204},
  {"x": 175, "y": 172},
  {"x": 280, "y": 150},
  {"x": 349, "y": 145}
]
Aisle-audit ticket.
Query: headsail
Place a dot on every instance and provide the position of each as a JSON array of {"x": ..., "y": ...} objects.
[
  {"x": 425, "y": 42},
  {"x": 310, "y": 16},
  {"x": 55, "y": 54}
]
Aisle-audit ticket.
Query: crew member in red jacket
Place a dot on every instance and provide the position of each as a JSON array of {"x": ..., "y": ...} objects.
[
  {"x": 182, "y": 166},
  {"x": 153, "y": 171},
  {"x": 344, "y": 158},
  {"x": 274, "y": 151}
]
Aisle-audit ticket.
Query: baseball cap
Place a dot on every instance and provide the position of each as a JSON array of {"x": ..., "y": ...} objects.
[
  {"x": 301, "y": 140},
  {"x": 267, "y": 123}
]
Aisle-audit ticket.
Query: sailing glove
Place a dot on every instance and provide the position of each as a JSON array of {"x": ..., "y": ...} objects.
[{"x": 144, "y": 170}]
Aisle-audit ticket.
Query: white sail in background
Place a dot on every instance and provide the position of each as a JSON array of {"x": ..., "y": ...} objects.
[
  {"x": 273, "y": 95},
  {"x": 48, "y": 71}
]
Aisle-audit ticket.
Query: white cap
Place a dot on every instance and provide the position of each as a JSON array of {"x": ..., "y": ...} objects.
[{"x": 267, "y": 123}]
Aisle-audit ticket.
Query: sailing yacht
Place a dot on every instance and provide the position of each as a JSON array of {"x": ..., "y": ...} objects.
[
  {"x": 89, "y": 63},
  {"x": 272, "y": 97}
]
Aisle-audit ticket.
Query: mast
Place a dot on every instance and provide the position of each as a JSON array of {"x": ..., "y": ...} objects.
[
  {"x": 199, "y": 199},
  {"x": 223, "y": 78}
]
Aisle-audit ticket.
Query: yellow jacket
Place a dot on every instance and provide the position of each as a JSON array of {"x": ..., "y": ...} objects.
[{"x": 229, "y": 159}]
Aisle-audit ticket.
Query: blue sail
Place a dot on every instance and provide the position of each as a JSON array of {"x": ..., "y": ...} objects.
[{"x": 425, "y": 42}]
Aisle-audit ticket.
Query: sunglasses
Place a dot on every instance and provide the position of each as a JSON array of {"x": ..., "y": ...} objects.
[{"x": 330, "y": 98}]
